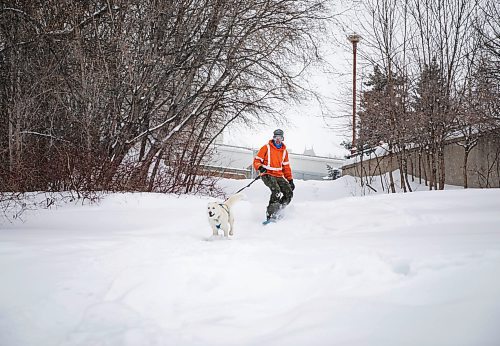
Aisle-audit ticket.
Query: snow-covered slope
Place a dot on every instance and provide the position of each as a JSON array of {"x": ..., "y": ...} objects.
[{"x": 142, "y": 269}]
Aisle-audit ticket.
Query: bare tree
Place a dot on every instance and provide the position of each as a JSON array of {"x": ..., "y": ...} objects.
[
  {"x": 426, "y": 54},
  {"x": 127, "y": 94}
]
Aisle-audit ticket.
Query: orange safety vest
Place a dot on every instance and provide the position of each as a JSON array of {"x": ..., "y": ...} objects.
[{"x": 274, "y": 160}]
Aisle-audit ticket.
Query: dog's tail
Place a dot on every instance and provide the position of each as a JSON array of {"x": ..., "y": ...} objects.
[{"x": 233, "y": 199}]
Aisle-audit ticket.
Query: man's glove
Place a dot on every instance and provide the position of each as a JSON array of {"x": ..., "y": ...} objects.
[
  {"x": 262, "y": 169},
  {"x": 292, "y": 185}
]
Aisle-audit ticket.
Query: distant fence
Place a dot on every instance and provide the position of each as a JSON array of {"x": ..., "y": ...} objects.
[
  {"x": 307, "y": 175},
  {"x": 226, "y": 172}
]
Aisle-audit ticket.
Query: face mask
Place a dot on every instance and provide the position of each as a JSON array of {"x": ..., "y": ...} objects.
[{"x": 278, "y": 139}]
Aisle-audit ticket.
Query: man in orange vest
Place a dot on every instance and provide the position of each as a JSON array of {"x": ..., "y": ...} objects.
[{"x": 272, "y": 163}]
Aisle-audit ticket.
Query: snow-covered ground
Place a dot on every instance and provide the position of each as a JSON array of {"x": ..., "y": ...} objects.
[{"x": 141, "y": 269}]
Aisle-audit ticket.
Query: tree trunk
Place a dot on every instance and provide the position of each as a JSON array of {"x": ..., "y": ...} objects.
[
  {"x": 425, "y": 165},
  {"x": 420, "y": 167},
  {"x": 155, "y": 170},
  {"x": 405, "y": 168},
  {"x": 433, "y": 184},
  {"x": 466, "y": 159},
  {"x": 412, "y": 164},
  {"x": 391, "y": 178},
  {"x": 361, "y": 167},
  {"x": 140, "y": 176},
  {"x": 402, "y": 172},
  {"x": 442, "y": 172}
]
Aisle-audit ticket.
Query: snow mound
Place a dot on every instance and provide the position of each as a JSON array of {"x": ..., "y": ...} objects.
[{"x": 406, "y": 269}]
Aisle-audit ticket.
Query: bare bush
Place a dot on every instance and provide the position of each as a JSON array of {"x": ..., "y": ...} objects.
[{"x": 129, "y": 95}]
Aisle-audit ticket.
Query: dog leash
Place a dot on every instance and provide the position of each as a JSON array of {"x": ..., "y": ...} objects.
[
  {"x": 226, "y": 208},
  {"x": 244, "y": 187}
]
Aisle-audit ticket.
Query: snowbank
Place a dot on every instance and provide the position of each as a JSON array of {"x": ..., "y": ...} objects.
[{"x": 142, "y": 269}]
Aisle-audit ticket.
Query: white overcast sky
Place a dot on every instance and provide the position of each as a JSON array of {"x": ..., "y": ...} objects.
[{"x": 309, "y": 124}]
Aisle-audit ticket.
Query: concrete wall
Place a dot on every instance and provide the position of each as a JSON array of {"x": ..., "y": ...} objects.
[{"x": 483, "y": 167}]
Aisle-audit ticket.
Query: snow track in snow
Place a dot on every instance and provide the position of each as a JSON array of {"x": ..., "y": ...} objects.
[{"x": 137, "y": 269}]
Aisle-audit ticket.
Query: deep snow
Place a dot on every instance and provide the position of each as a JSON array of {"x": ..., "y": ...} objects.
[{"x": 141, "y": 269}]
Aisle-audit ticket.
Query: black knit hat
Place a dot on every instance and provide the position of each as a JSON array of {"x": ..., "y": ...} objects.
[{"x": 278, "y": 132}]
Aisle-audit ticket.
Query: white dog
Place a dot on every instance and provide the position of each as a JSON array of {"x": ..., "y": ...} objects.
[{"x": 221, "y": 217}]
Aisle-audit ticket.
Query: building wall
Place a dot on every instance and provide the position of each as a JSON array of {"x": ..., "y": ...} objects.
[
  {"x": 305, "y": 167},
  {"x": 483, "y": 167}
]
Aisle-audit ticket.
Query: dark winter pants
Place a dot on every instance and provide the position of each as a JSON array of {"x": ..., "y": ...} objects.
[{"x": 281, "y": 194}]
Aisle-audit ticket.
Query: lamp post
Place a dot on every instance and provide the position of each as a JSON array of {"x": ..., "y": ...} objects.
[{"x": 354, "y": 38}]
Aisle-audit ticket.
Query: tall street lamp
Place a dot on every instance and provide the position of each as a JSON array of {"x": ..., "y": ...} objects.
[{"x": 354, "y": 38}]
